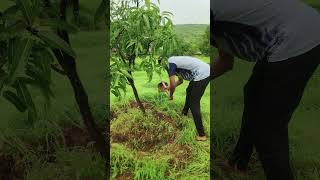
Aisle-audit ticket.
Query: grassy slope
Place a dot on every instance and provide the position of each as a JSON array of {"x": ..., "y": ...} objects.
[
  {"x": 197, "y": 168},
  {"x": 190, "y": 32},
  {"x": 193, "y": 170}
]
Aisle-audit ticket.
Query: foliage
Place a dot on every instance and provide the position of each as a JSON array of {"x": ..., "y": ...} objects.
[
  {"x": 26, "y": 53},
  {"x": 205, "y": 43},
  {"x": 192, "y": 37},
  {"x": 138, "y": 31}
]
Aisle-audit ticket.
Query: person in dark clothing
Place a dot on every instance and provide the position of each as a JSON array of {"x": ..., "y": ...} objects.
[
  {"x": 285, "y": 44},
  {"x": 198, "y": 73}
]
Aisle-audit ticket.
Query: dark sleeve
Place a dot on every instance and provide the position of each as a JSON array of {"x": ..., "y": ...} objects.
[
  {"x": 172, "y": 69},
  {"x": 213, "y": 42},
  {"x": 212, "y": 24}
]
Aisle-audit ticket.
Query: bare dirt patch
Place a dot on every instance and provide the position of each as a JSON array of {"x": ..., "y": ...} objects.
[
  {"x": 10, "y": 168},
  {"x": 130, "y": 132},
  {"x": 159, "y": 132},
  {"x": 13, "y": 167},
  {"x": 125, "y": 176}
]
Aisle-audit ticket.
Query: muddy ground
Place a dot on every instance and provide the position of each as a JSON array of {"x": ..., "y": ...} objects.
[{"x": 14, "y": 167}]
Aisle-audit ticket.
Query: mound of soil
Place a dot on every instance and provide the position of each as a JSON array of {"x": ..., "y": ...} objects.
[
  {"x": 158, "y": 114},
  {"x": 141, "y": 138},
  {"x": 76, "y": 136},
  {"x": 10, "y": 168},
  {"x": 181, "y": 154},
  {"x": 125, "y": 176}
]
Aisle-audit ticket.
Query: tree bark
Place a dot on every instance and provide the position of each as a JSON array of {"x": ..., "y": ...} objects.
[
  {"x": 68, "y": 64},
  {"x": 108, "y": 86},
  {"x": 136, "y": 95},
  {"x": 132, "y": 84}
]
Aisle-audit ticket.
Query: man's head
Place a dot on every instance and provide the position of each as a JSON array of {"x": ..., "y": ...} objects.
[{"x": 163, "y": 86}]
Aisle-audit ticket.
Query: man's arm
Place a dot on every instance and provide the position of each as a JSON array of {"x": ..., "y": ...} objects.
[
  {"x": 172, "y": 86},
  {"x": 222, "y": 64},
  {"x": 179, "y": 81}
]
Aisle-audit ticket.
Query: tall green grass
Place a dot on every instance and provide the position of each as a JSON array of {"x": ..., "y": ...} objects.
[{"x": 157, "y": 164}]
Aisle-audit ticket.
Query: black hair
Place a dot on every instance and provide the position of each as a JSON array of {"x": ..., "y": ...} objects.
[{"x": 161, "y": 84}]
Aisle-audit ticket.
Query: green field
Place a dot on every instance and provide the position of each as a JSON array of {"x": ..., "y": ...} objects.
[{"x": 159, "y": 147}]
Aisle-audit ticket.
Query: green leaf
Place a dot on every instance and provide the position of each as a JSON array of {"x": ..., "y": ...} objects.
[
  {"x": 56, "y": 24},
  {"x": 15, "y": 100},
  {"x": 26, "y": 9},
  {"x": 54, "y": 41},
  {"x": 3, "y": 78},
  {"x": 147, "y": 3},
  {"x": 19, "y": 52},
  {"x": 126, "y": 73},
  {"x": 131, "y": 43},
  {"x": 146, "y": 21},
  {"x": 17, "y": 27},
  {"x": 167, "y": 13},
  {"x": 11, "y": 11},
  {"x": 117, "y": 80},
  {"x": 115, "y": 92},
  {"x": 24, "y": 94}
]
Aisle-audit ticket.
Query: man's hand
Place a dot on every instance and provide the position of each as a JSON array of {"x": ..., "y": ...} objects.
[{"x": 222, "y": 64}]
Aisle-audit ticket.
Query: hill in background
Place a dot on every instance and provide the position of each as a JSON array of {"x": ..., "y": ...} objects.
[{"x": 191, "y": 32}]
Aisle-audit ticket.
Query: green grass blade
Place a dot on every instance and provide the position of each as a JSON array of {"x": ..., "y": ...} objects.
[{"x": 148, "y": 4}]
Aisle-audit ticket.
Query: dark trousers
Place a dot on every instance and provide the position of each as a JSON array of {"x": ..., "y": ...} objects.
[
  {"x": 194, "y": 94},
  {"x": 271, "y": 95}
]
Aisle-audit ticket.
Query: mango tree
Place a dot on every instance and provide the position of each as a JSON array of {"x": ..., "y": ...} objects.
[
  {"x": 138, "y": 31},
  {"x": 34, "y": 40}
]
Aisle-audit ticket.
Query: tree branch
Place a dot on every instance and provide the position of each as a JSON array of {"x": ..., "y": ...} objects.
[{"x": 58, "y": 70}]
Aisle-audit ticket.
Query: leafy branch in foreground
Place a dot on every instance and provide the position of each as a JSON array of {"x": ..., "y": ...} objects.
[{"x": 34, "y": 36}]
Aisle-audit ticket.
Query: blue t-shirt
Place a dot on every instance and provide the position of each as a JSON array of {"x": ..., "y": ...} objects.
[{"x": 188, "y": 68}]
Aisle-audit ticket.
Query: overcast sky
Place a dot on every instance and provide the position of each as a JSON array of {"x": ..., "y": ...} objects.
[{"x": 187, "y": 11}]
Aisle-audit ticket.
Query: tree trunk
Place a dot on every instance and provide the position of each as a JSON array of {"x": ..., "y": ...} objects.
[
  {"x": 108, "y": 86},
  {"x": 68, "y": 64},
  {"x": 136, "y": 95},
  {"x": 133, "y": 86}
]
